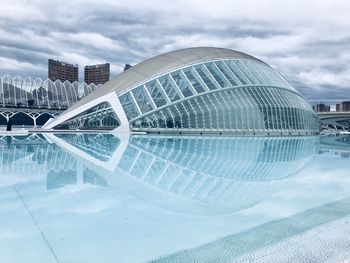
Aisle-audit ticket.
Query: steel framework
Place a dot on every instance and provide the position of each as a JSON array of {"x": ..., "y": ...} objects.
[{"x": 36, "y": 97}]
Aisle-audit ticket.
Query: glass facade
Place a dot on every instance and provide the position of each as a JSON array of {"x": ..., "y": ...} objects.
[
  {"x": 99, "y": 117},
  {"x": 228, "y": 95}
]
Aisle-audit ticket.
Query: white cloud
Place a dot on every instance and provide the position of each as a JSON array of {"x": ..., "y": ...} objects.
[
  {"x": 317, "y": 78},
  {"x": 93, "y": 40},
  {"x": 306, "y": 41}
]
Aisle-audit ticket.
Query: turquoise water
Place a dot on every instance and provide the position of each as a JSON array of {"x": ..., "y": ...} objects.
[{"x": 109, "y": 198}]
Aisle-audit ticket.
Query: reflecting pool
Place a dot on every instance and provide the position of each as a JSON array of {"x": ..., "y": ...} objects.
[{"x": 118, "y": 198}]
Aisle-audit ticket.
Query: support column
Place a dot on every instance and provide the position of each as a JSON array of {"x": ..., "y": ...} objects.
[
  {"x": 34, "y": 116},
  {"x": 8, "y": 123},
  {"x": 7, "y": 115}
]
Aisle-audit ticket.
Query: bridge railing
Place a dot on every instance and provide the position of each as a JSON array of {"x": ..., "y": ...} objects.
[{"x": 26, "y": 92}]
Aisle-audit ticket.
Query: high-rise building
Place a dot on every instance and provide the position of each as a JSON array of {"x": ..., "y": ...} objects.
[
  {"x": 338, "y": 107},
  {"x": 98, "y": 74},
  {"x": 321, "y": 108},
  {"x": 62, "y": 71},
  {"x": 344, "y": 106}
]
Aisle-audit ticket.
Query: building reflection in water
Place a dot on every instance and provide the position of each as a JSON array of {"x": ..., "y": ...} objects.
[
  {"x": 192, "y": 174},
  {"x": 33, "y": 155},
  {"x": 198, "y": 174},
  {"x": 92, "y": 179},
  {"x": 335, "y": 145}
]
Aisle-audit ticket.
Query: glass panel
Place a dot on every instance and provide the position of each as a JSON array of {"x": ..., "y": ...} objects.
[
  {"x": 259, "y": 68},
  {"x": 252, "y": 70},
  {"x": 200, "y": 113},
  {"x": 205, "y": 78},
  {"x": 156, "y": 93},
  {"x": 191, "y": 113},
  {"x": 235, "y": 71},
  {"x": 230, "y": 123},
  {"x": 222, "y": 115},
  {"x": 224, "y": 70},
  {"x": 217, "y": 75},
  {"x": 142, "y": 99},
  {"x": 168, "y": 88},
  {"x": 205, "y": 118},
  {"x": 246, "y": 73},
  {"x": 182, "y": 84},
  {"x": 128, "y": 105},
  {"x": 197, "y": 86},
  {"x": 213, "y": 112}
]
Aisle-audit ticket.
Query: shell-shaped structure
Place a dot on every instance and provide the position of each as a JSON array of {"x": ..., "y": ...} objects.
[{"x": 198, "y": 91}]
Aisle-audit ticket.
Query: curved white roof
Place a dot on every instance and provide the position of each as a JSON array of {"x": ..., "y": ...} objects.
[{"x": 160, "y": 65}]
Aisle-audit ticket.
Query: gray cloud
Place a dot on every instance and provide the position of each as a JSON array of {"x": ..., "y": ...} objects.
[{"x": 309, "y": 44}]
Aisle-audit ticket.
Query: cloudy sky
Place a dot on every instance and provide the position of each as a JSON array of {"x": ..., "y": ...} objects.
[{"x": 308, "y": 41}]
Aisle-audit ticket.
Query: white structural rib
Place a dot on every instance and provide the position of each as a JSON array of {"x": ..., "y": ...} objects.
[{"x": 111, "y": 98}]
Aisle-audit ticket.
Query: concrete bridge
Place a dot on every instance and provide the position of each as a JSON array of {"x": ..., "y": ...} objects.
[
  {"x": 339, "y": 121},
  {"x": 27, "y": 116}
]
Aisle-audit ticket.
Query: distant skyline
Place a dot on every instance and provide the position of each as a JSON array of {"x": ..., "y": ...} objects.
[{"x": 308, "y": 41}]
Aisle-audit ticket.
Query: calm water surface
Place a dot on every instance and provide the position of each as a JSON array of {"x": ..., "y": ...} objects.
[{"x": 109, "y": 198}]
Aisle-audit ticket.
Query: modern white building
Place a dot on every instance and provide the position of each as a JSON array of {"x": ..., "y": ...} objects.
[{"x": 198, "y": 91}]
